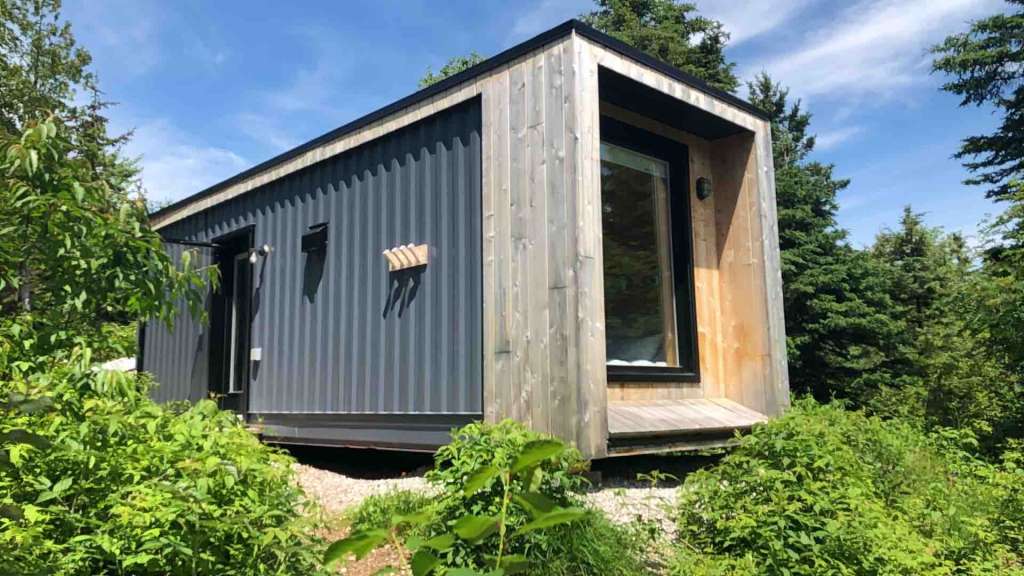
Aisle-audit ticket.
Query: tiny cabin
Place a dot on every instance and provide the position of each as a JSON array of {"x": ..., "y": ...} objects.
[{"x": 571, "y": 234}]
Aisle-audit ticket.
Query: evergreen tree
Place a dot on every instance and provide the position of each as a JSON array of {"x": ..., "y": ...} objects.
[
  {"x": 924, "y": 264},
  {"x": 666, "y": 29},
  {"x": 953, "y": 379},
  {"x": 451, "y": 68},
  {"x": 987, "y": 68},
  {"x": 790, "y": 141},
  {"x": 44, "y": 71},
  {"x": 670, "y": 31},
  {"x": 842, "y": 339}
]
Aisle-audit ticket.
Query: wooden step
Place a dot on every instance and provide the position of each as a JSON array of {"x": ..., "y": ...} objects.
[{"x": 679, "y": 417}]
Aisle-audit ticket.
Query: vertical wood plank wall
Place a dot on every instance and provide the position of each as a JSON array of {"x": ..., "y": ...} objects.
[{"x": 543, "y": 332}]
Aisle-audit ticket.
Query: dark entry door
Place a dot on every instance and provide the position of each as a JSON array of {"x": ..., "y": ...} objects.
[{"x": 231, "y": 322}]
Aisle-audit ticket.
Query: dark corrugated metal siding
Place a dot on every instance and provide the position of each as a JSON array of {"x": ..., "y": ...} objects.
[
  {"x": 343, "y": 339},
  {"x": 177, "y": 359}
]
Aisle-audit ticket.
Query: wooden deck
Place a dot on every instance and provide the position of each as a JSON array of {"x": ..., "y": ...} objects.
[{"x": 679, "y": 417}]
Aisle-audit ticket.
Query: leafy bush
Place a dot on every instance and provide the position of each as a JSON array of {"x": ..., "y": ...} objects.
[
  {"x": 75, "y": 251},
  {"x": 507, "y": 505},
  {"x": 376, "y": 511},
  {"x": 825, "y": 490},
  {"x": 479, "y": 445},
  {"x": 97, "y": 479},
  {"x": 115, "y": 340},
  {"x": 592, "y": 546}
]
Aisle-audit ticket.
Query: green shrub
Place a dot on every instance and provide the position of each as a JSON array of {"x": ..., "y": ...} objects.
[
  {"x": 95, "y": 478},
  {"x": 479, "y": 444},
  {"x": 593, "y": 546},
  {"x": 507, "y": 497},
  {"x": 823, "y": 490},
  {"x": 376, "y": 511},
  {"x": 115, "y": 340}
]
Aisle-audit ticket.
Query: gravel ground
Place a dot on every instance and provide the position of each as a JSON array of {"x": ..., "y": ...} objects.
[
  {"x": 341, "y": 480},
  {"x": 336, "y": 492},
  {"x": 624, "y": 504},
  {"x": 622, "y": 501}
]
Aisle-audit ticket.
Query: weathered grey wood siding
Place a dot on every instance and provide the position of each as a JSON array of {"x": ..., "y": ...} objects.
[{"x": 543, "y": 335}]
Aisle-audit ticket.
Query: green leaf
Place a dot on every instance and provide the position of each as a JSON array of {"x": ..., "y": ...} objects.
[
  {"x": 11, "y": 512},
  {"x": 535, "y": 503},
  {"x": 514, "y": 564},
  {"x": 440, "y": 543},
  {"x": 462, "y": 572},
  {"x": 479, "y": 479},
  {"x": 386, "y": 570},
  {"x": 358, "y": 544},
  {"x": 423, "y": 563},
  {"x": 62, "y": 485},
  {"x": 415, "y": 519},
  {"x": 475, "y": 528},
  {"x": 554, "y": 518},
  {"x": 536, "y": 452}
]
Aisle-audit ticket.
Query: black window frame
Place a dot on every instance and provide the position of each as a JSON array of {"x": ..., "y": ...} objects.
[{"x": 677, "y": 155}]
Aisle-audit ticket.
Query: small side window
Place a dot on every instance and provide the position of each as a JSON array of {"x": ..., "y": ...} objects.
[{"x": 316, "y": 239}]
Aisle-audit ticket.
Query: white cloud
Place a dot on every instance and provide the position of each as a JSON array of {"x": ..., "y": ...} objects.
[
  {"x": 873, "y": 48},
  {"x": 122, "y": 35},
  {"x": 746, "y": 19},
  {"x": 263, "y": 129},
  {"x": 312, "y": 89},
  {"x": 546, "y": 14},
  {"x": 176, "y": 164},
  {"x": 832, "y": 138}
]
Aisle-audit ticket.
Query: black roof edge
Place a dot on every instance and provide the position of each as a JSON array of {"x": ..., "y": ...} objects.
[
  {"x": 491, "y": 63},
  {"x": 614, "y": 44}
]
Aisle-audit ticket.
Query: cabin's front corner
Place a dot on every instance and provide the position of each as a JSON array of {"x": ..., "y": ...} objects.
[{"x": 690, "y": 300}]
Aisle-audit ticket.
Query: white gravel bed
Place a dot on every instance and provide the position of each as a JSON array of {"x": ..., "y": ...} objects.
[
  {"x": 336, "y": 492},
  {"x": 622, "y": 502},
  {"x": 625, "y": 503}
]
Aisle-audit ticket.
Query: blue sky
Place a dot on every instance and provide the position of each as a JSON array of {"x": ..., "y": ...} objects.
[{"x": 211, "y": 88}]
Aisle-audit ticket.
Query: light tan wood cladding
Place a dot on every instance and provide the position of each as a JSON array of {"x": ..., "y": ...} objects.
[
  {"x": 737, "y": 276},
  {"x": 705, "y": 264}
]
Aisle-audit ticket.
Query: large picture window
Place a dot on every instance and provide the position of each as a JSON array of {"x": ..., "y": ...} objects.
[{"x": 649, "y": 323}]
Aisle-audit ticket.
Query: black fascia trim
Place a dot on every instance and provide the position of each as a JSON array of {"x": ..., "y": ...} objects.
[
  {"x": 190, "y": 243},
  {"x": 616, "y": 45},
  {"x": 491, "y": 63}
]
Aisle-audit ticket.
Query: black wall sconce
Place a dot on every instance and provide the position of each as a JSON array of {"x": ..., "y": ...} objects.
[{"x": 703, "y": 188}]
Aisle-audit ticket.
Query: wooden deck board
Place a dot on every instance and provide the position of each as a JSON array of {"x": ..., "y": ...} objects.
[{"x": 664, "y": 417}]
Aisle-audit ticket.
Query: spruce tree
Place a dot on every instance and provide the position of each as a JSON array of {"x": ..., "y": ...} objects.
[
  {"x": 670, "y": 31},
  {"x": 986, "y": 68},
  {"x": 842, "y": 338}
]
